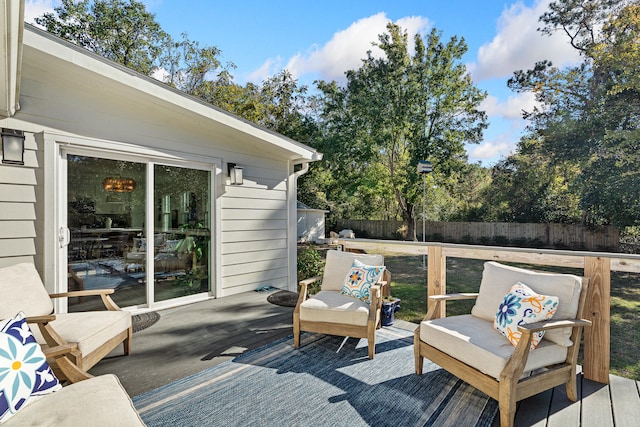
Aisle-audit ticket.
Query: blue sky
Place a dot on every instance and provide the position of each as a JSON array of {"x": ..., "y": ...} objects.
[{"x": 323, "y": 39}]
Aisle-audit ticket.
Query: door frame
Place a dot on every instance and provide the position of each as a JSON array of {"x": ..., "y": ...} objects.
[{"x": 56, "y": 239}]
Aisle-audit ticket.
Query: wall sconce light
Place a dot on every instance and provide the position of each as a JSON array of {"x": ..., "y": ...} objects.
[
  {"x": 235, "y": 174},
  {"x": 12, "y": 146}
]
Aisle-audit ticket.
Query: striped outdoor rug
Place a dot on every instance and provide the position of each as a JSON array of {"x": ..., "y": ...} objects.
[{"x": 327, "y": 382}]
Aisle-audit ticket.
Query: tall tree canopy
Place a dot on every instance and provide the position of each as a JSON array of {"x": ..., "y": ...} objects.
[
  {"x": 120, "y": 30},
  {"x": 590, "y": 114},
  {"x": 396, "y": 110}
]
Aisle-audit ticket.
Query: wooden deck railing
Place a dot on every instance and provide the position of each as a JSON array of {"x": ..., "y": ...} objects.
[{"x": 596, "y": 265}]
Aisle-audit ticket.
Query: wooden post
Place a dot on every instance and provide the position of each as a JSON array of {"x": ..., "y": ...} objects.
[
  {"x": 436, "y": 276},
  {"x": 597, "y": 337}
]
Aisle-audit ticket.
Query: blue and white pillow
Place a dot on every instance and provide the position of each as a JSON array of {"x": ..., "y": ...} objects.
[
  {"x": 24, "y": 371},
  {"x": 520, "y": 306},
  {"x": 359, "y": 280}
]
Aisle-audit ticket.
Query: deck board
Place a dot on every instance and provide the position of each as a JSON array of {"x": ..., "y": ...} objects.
[
  {"x": 534, "y": 410},
  {"x": 563, "y": 412},
  {"x": 596, "y": 404},
  {"x": 625, "y": 401}
]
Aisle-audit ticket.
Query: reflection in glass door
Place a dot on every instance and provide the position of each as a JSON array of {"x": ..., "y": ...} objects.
[
  {"x": 182, "y": 231},
  {"x": 112, "y": 245},
  {"x": 105, "y": 217}
]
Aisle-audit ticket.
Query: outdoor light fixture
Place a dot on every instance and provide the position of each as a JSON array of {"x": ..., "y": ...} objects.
[
  {"x": 424, "y": 168},
  {"x": 119, "y": 185},
  {"x": 235, "y": 174},
  {"x": 12, "y": 146}
]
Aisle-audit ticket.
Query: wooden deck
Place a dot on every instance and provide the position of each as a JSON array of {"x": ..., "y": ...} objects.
[
  {"x": 194, "y": 337},
  {"x": 600, "y": 405}
]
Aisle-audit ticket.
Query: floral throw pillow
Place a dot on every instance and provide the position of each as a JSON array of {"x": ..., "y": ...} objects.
[
  {"x": 360, "y": 279},
  {"x": 24, "y": 371},
  {"x": 521, "y": 306}
]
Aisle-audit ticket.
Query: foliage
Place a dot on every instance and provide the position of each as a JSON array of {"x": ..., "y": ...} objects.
[
  {"x": 125, "y": 32},
  {"x": 310, "y": 263},
  {"x": 394, "y": 111},
  {"x": 589, "y": 120},
  {"x": 120, "y": 30}
]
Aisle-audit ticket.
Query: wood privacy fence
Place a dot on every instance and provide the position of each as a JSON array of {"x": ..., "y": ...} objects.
[{"x": 559, "y": 236}]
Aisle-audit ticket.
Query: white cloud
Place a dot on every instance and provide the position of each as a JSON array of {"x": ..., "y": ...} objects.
[
  {"x": 344, "y": 51},
  {"x": 491, "y": 150},
  {"x": 518, "y": 45},
  {"x": 35, "y": 8},
  {"x": 270, "y": 67},
  {"x": 510, "y": 109}
]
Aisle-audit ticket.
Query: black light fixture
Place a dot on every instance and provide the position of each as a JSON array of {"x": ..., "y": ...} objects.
[
  {"x": 12, "y": 146},
  {"x": 235, "y": 174}
]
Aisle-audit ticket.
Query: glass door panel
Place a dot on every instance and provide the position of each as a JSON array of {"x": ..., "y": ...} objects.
[
  {"x": 105, "y": 216},
  {"x": 182, "y": 235}
]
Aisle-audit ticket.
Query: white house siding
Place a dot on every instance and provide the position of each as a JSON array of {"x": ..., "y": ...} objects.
[
  {"x": 18, "y": 204},
  {"x": 255, "y": 231},
  {"x": 70, "y": 96}
]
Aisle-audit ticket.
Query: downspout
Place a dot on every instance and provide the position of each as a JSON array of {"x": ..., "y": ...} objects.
[
  {"x": 11, "y": 36},
  {"x": 305, "y": 169},
  {"x": 293, "y": 224}
]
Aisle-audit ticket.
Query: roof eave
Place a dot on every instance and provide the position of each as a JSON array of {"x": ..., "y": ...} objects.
[{"x": 66, "y": 51}]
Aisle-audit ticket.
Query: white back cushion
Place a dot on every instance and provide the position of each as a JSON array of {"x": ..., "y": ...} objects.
[
  {"x": 338, "y": 265},
  {"x": 497, "y": 279},
  {"x": 21, "y": 289}
]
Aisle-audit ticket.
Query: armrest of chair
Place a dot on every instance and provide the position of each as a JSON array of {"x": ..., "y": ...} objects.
[
  {"x": 48, "y": 333},
  {"x": 310, "y": 280},
  {"x": 385, "y": 283},
  {"x": 552, "y": 324},
  {"x": 303, "y": 291},
  {"x": 440, "y": 299},
  {"x": 376, "y": 303},
  {"x": 518, "y": 360},
  {"x": 454, "y": 297},
  {"x": 103, "y": 293},
  {"x": 70, "y": 370}
]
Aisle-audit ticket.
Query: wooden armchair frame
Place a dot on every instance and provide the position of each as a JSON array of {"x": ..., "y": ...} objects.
[
  {"x": 511, "y": 388},
  {"x": 344, "y": 330},
  {"x": 87, "y": 361},
  {"x": 60, "y": 354}
]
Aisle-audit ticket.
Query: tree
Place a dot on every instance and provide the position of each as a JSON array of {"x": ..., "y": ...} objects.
[
  {"x": 398, "y": 109},
  {"x": 120, "y": 30},
  {"x": 590, "y": 115},
  {"x": 125, "y": 32}
]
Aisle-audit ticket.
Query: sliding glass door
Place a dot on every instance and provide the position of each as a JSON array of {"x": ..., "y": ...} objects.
[
  {"x": 145, "y": 251},
  {"x": 182, "y": 231}
]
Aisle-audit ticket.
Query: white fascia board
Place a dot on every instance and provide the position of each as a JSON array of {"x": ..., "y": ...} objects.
[
  {"x": 50, "y": 45},
  {"x": 11, "y": 31}
]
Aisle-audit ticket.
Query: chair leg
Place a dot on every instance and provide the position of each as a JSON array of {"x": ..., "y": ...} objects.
[
  {"x": 418, "y": 360},
  {"x": 296, "y": 330},
  {"x": 571, "y": 386},
  {"x": 127, "y": 342},
  {"x": 507, "y": 403},
  {"x": 371, "y": 339}
]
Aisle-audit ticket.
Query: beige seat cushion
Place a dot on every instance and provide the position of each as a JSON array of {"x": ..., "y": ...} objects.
[
  {"x": 99, "y": 401},
  {"x": 474, "y": 341},
  {"x": 338, "y": 265},
  {"x": 497, "y": 279},
  {"x": 333, "y": 307},
  {"x": 90, "y": 330}
]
